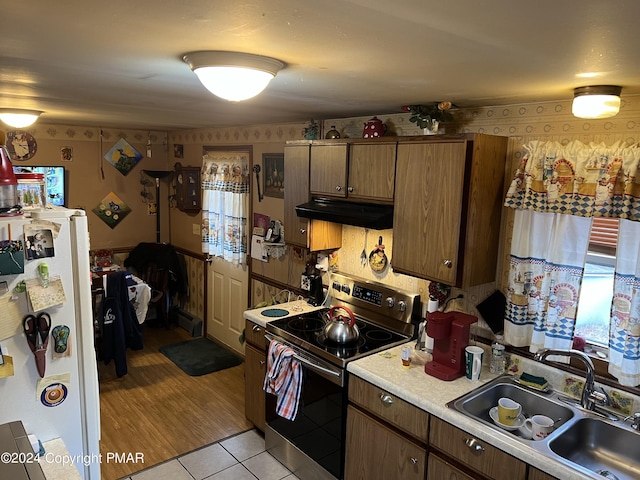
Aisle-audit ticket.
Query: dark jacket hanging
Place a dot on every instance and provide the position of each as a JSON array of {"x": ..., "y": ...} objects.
[{"x": 119, "y": 324}]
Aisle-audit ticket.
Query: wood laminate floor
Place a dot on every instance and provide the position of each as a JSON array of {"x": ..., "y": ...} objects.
[{"x": 159, "y": 411}]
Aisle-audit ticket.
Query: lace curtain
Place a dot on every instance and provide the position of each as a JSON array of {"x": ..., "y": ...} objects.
[
  {"x": 556, "y": 190},
  {"x": 225, "y": 197}
]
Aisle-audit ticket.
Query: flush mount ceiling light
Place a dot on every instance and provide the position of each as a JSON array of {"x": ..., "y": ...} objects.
[
  {"x": 18, "y": 118},
  {"x": 231, "y": 75},
  {"x": 598, "y": 101}
]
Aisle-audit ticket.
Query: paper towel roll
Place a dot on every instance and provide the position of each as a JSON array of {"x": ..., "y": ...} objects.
[{"x": 432, "y": 306}]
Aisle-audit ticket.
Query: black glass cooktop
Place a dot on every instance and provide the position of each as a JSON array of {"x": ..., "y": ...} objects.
[{"x": 306, "y": 330}]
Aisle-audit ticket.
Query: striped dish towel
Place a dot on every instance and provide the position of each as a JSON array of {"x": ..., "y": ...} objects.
[{"x": 284, "y": 379}]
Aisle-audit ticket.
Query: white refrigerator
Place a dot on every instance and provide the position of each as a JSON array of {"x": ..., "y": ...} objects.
[{"x": 65, "y": 403}]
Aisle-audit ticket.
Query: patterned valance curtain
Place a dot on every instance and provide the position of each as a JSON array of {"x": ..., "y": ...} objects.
[
  {"x": 591, "y": 180},
  {"x": 556, "y": 191},
  {"x": 225, "y": 200}
]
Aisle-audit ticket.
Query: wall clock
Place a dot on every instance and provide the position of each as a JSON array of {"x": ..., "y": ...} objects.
[{"x": 21, "y": 145}]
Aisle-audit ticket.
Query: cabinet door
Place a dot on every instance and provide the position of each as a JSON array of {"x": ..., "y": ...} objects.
[
  {"x": 439, "y": 469},
  {"x": 428, "y": 209},
  {"x": 296, "y": 192},
  {"x": 477, "y": 455},
  {"x": 375, "y": 451},
  {"x": 372, "y": 169},
  {"x": 535, "y": 474},
  {"x": 255, "y": 368},
  {"x": 402, "y": 415},
  {"x": 329, "y": 170}
]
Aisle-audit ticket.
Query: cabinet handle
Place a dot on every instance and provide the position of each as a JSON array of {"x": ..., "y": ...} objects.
[
  {"x": 448, "y": 263},
  {"x": 303, "y": 230},
  {"x": 414, "y": 461},
  {"x": 256, "y": 328},
  {"x": 338, "y": 188},
  {"x": 350, "y": 189},
  {"x": 474, "y": 445},
  {"x": 262, "y": 362},
  {"x": 388, "y": 399}
]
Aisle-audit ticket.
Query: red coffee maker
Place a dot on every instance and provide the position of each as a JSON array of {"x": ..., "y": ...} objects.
[{"x": 450, "y": 333}]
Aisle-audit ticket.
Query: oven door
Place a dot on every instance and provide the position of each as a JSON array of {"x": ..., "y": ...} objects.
[{"x": 312, "y": 445}]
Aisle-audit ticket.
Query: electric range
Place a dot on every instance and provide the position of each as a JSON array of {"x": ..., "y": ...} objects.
[{"x": 312, "y": 445}]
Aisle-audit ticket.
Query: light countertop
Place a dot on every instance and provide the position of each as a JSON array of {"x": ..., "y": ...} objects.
[
  {"x": 57, "y": 462},
  {"x": 258, "y": 315},
  {"x": 431, "y": 395}
]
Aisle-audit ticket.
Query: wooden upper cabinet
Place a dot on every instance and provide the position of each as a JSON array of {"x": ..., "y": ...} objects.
[
  {"x": 329, "y": 169},
  {"x": 296, "y": 192},
  {"x": 372, "y": 170},
  {"x": 354, "y": 170},
  {"x": 313, "y": 234},
  {"x": 448, "y": 204}
]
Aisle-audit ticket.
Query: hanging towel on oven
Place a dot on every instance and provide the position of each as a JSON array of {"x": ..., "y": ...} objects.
[{"x": 284, "y": 379}]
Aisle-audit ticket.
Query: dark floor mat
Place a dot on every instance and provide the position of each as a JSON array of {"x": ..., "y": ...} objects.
[{"x": 200, "y": 356}]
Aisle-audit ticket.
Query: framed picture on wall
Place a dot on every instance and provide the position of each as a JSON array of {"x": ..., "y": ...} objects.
[{"x": 273, "y": 168}]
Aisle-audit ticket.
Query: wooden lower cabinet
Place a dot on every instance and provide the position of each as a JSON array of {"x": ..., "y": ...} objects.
[
  {"x": 474, "y": 454},
  {"x": 440, "y": 469},
  {"x": 386, "y": 436},
  {"x": 255, "y": 368},
  {"x": 390, "y": 438},
  {"x": 535, "y": 474},
  {"x": 374, "y": 450}
]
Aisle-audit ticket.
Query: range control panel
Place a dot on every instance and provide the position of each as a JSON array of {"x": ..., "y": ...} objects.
[{"x": 373, "y": 297}]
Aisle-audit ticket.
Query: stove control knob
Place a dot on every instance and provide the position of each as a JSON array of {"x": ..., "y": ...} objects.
[
  {"x": 390, "y": 302},
  {"x": 336, "y": 286},
  {"x": 402, "y": 305},
  {"x": 346, "y": 289}
]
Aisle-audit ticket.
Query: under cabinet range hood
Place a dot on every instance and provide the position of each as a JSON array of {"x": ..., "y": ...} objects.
[{"x": 368, "y": 215}]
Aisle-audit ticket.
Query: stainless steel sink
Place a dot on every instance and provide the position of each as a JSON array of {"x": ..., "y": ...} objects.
[
  {"x": 585, "y": 441},
  {"x": 479, "y": 402},
  {"x": 601, "y": 447}
]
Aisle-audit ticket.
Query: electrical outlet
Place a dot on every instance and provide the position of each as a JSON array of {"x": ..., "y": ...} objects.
[
  {"x": 305, "y": 283},
  {"x": 196, "y": 229}
]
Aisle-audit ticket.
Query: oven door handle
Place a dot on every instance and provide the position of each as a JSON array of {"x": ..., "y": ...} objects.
[
  {"x": 306, "y": 362},
  {"x": 313, "y": 366}
]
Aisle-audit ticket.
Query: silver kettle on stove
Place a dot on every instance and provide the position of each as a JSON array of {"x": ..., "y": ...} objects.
[{"x": 340, "y": 329}]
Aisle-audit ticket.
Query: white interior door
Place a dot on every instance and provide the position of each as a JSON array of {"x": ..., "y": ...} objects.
[{"x": 227, "y": 300}]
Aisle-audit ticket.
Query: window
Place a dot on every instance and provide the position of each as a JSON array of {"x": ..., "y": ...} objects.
[{"x": 594, "y": 304}]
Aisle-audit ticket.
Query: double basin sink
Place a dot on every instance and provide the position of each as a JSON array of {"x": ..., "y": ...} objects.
[{"x": 596, "y": 445}]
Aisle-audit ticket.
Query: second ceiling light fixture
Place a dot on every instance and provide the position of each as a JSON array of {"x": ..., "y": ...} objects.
[{"x": 233, "y": 76}]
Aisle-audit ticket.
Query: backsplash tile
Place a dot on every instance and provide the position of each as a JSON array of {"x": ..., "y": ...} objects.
[
  {"x": 572, "y": 386},
  {"x": 621, "y": 402}
]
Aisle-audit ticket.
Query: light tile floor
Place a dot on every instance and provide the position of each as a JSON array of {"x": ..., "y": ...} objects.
[{"x": 241, "y": 457}]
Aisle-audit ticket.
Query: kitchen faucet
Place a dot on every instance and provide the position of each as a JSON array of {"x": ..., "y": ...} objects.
[{"x": 589, "y": 397}]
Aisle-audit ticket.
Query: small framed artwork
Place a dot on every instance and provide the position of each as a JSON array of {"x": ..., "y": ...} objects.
[
  {"x": 66, "y": 154},
  {"x": 178, "y": 150},
  {"x": 123, "y": 156},
  {"x": 273, "y": 168}
]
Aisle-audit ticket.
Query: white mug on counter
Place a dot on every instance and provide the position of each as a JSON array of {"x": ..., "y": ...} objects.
[
  {"x": 473, "y": 362},
  {"x": 538, "y": 426}
]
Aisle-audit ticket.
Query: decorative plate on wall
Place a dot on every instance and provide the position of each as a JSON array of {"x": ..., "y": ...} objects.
[{"x": 21, "y": 145}]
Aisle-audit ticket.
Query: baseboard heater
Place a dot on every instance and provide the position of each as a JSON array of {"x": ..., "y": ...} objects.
[{"x": 189, "y": 322}]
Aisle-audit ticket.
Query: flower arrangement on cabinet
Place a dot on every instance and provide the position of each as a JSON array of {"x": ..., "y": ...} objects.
[{"x": 430, "y": 115}]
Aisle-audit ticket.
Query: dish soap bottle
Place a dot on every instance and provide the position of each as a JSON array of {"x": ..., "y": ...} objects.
[{"x": 497, "y": 356}]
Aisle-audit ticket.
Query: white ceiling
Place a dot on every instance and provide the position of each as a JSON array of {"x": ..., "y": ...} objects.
[{"x": 118, "y": 63}]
